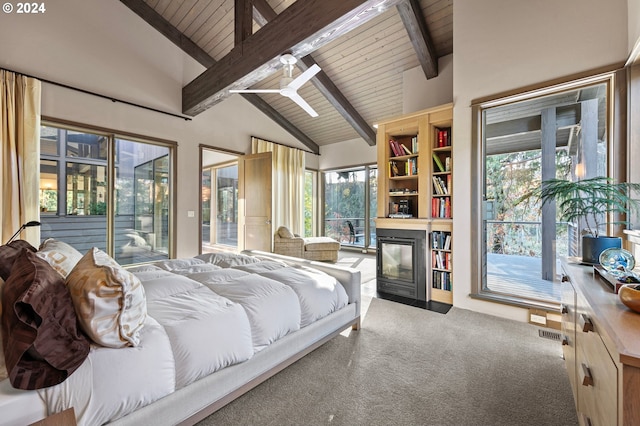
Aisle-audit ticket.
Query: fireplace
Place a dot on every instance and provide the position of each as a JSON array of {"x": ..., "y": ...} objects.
[{"x": 401, "y": 269}]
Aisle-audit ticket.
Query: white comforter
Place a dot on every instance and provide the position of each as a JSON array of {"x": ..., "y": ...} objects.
[{"x": 201, "y": 318}]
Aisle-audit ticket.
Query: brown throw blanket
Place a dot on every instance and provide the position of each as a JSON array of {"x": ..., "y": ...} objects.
[{"x": 42, "y": 342}]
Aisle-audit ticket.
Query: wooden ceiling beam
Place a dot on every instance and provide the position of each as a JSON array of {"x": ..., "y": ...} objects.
[
  {"x": 300, "y": 29},
  {"x": 243, "y": 20},
  {"x": 413, "y": 19},
  {"x": 163, "y": 26},
  {"x": 323, "y": 83}
]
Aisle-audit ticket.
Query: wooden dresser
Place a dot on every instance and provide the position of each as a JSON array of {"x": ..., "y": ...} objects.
[{"x": 601, "y": 346}]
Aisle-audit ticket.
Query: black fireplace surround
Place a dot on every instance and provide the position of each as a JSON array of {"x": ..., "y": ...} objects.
[{"x": 401, "y": 268}]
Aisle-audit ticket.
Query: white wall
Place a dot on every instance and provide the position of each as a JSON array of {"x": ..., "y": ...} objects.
[
  {"x": 634, "y": 23},
  {"x": 344, "y": 154},
  {"x": 102, "y": 46},
  {"x": 419, "y": 93},
  {"x": 502, "y": 45}
]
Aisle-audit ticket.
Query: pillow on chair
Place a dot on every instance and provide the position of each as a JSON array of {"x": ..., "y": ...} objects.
[{"x": 284, "y": 232}]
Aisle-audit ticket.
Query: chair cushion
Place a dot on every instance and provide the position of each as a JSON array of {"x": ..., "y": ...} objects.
[
  {"x": 284, "y": 232},
  {"x": 320, "y": 243}
]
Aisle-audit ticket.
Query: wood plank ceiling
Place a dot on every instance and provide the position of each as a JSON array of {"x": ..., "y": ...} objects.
[{"x": 366, "y": 65}]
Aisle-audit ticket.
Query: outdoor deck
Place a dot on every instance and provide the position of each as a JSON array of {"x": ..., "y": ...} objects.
[{"x": 520, "y": 275}]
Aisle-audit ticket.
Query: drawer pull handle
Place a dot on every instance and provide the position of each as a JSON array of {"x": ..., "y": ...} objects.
[
  {"x": 585, "y": 323},
  {"x": 564, "y": 309},
  {"x": 565, "y": 341},
  {"x": 565, "y": 278},
  {"x": 587, "y": 379}
]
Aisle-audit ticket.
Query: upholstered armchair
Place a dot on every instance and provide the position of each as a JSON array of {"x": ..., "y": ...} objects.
[{"x": 311, "y": 248}]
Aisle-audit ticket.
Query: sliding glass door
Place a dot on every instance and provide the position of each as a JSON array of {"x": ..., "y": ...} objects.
[{"x": 99, "y": 190}]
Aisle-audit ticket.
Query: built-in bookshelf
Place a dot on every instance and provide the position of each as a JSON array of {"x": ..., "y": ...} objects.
[
  {"x": 441, "y": 175},
  {"x": 415, "y": 183},
  {"x": 441, "y": 263}
]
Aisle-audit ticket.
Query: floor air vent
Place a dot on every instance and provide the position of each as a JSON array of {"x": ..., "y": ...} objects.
[{"x": 553, "y": 335}]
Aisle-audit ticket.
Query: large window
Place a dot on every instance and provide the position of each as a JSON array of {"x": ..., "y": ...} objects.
[
  {"x": 562, "y": 132},
  {"x": 350, "y": 198},
  {"x": 77, "y": 179}
]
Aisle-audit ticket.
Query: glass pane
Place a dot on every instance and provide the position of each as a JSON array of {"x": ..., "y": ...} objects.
[
  {"x": 344, "y": 195},
  {"x": 48, "y": 187},
  {"x": 397, "y": 261},
  {"x": 86, "y": 145},
  {"x": 373, "y": 205},
  {"x": 308, "y": 202},
  {"x": 206, "y": 206},
  {"x": 86, "y": 189},
  {"x": 143, "y": 194},
  {"x": 49, "y": 140},
  {"x": 227, "y": 206},
  {"x": 563, "y": 136}
]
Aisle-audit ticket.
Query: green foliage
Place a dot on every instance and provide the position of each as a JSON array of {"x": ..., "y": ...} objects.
[{"x": 589, "y": 199}]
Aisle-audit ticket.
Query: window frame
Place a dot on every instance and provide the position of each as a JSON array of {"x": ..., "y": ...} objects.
[
  {"x": 112, "y": 136},
  {"x": 615, "y": 163}
]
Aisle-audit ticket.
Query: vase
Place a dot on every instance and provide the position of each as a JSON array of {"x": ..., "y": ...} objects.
[{"x": 593, "y": 246}]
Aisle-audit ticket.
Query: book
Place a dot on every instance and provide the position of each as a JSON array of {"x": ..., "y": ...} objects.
[
  {"x": 447, "y": 164},
  {"x": 394, "y": 148},
  {"x": 438, "y": 163},
  {"x": 406, "y": 150},
  {"x": 443, "y": 138}
]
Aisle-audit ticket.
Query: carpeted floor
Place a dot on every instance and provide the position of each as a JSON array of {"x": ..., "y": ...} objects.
[{"x": 410, "y": 366}]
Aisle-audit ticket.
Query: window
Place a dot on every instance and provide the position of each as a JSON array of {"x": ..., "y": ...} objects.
[
  {"x": 562, "y": 132},
  {"x": 350, "y": 198},
  {"x": 133, "y": 224},
  {"x": 310, "y": 204}
]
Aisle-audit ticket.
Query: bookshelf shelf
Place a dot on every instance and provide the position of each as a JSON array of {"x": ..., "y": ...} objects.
[{"x": 416, "y": 176}]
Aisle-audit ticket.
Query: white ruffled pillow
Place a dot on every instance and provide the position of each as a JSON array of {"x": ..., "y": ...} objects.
[{"x": 109, "y": 300}]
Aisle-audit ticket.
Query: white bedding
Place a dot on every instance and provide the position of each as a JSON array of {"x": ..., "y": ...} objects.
[
  {"x": 201, "y": 318},
  {"x": 319, "y": 294},
  {"x": 114, "y": 382},
  {"x": 273, "y": 308}
]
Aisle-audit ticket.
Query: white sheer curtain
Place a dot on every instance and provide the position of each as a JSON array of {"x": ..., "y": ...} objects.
[
  {"x": 287, "y": 184},
  {"x": 19, "y": 155}
]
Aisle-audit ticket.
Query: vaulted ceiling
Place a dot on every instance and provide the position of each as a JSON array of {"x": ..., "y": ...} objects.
[{"x": 362, "y": 46}]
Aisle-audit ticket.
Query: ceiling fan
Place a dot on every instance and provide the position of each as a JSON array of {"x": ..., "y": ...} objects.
[{"x": 288, "y": 85}]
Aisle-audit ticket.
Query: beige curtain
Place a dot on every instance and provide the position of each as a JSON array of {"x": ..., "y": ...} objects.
[
  {"x": 19, "y": 155},
  {"x": 287, "y": 184}
]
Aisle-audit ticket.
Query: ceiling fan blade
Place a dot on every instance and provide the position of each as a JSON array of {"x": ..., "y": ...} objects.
[
  {"x": 303, "y": 104},
  {"x": 254, "y": 90},
  {"x": 304, "y": 77}
]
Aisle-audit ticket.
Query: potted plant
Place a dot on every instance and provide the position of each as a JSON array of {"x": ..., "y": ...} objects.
[{"x": 592, "y": 200}]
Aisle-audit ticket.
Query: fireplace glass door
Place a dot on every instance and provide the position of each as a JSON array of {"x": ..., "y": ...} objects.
[{"x": 397, "y": 261}]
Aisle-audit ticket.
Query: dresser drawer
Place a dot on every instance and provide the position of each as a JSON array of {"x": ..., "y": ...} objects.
[{"x": 597, "y": 373}]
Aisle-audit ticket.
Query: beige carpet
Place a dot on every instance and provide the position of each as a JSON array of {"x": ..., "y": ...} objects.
[{"x": 410, "y": 366}]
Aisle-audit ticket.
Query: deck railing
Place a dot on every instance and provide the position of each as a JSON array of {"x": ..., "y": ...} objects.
[{"x": 524, "y": 238}]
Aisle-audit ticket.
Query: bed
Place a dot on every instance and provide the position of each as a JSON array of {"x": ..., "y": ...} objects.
[{"x": 267, "y": 310}]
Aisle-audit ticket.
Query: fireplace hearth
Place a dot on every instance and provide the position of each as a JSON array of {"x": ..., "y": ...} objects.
[{"x": 401, "y": 268}]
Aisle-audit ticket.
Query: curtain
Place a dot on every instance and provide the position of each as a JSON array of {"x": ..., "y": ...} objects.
[
  {"x": 19, "y": 155},
  {"x": 287, "y": 184}
]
